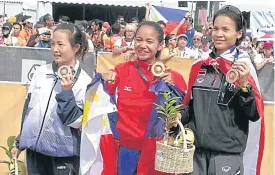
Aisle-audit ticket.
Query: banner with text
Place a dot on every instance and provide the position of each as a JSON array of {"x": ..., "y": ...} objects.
[{"x": 19, "y": 64}]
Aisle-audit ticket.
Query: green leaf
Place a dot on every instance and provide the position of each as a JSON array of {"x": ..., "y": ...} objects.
[
  {"x": 173, "y": 108},
  {"x": 171, "y": 103},
  {"x": 10, "y": 142},
  {"x": 8, "y": 153},
  {"x": 166, "y": 95},
  {"x": 4, "y": 161},
  {"x": 4, "y": 148},
  {"x": 174, "y": 98},
  {"x": 173, "y": 111},
  {"x": 160, "y": 108},
  {"x": 172, "y": 114},
  {"x": 161, "y": 112}
]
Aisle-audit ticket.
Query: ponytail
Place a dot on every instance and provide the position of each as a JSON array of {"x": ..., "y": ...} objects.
[{"x": 84, "y": 47}]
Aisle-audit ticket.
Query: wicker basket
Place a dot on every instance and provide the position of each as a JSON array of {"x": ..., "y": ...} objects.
[{"x": 171, "y": 159}]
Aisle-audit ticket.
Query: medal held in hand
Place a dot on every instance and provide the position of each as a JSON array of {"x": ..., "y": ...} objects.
[
  {"x": 63, "y": 71},
  {"x": 232, "y": 76},
  {"x": 158, "y": 69}
]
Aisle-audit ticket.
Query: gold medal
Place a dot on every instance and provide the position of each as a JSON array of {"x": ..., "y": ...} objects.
[
  {"x": 232, "y": 76},
  {"x": 158, "y": 69}
]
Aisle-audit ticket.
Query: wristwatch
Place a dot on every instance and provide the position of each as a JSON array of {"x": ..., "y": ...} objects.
[{"x": 246, "y": 88}]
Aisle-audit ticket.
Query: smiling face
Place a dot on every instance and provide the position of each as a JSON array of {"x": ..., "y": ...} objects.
[
  {"x": 147, "y": 43},
  {"x": 196, "y": 41},
  {"x": 173, "y": 42},
  {"x": 130, "y": 34},
  {"x": 224, "y": 33},
  {"x": 182, "y": 42},
  {"x": 62, "y": 49}
]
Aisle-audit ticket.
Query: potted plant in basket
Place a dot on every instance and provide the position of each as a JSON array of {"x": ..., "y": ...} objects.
[
  {"x": 174, "y": 155},
  {"x": 170, "y": 112},
  {"x": 11, "y": 163}
]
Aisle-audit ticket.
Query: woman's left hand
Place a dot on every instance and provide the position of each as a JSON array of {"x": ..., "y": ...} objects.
[
  {"x": 66, "y": 83},
  {"x": 167, "y": 76},
  {"x": 244, "y": 71}
]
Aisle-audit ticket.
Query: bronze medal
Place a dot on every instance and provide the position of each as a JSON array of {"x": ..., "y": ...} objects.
[
  {"x": 63, "y": 71},
  {"x": 232, "y": 76},
  {"x": 158, "y": 69}
]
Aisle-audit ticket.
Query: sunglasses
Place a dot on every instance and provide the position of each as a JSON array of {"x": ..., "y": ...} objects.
[
  {"x": 5, "y": 28},
  {"x": 235, "y": 10},
  {"x": 173, "y": 39}
]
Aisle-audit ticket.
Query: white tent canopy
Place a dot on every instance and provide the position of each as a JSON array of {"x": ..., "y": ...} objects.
[
  {"x": 252, "y": 5},
  {"x": 45, "y": 6},
  {"x": 103, "y": 2},
  {"x": 11, "y": 7},
  {"x": 262, "y": 13}
]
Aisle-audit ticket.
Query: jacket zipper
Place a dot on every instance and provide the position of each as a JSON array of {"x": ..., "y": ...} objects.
[
  {"x": 209, "y": 103},
  {"x": 41, "y": 128}
]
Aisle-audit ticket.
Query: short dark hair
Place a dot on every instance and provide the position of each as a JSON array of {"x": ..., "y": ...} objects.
[
  {"x": 90, "y": 22},
  {"x": 120, "y": 16},
  {"x": 154, "y": 25},
  {"x": 99, "y": 23},
  {"x": 77, "y": 37},
  {"x": 168, "y": 37},
  {"x": 16, "y": 23},
  {"x": 65, "y": 18},
  {"x": 161, "y": 23},
  {"x": 46, "y": 17},
  {"x": 115, "y": 28}
]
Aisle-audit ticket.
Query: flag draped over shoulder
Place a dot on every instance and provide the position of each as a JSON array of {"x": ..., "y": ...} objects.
[
  {"x": 253, "y": 154},
  {"x": 97, "y": 129}
]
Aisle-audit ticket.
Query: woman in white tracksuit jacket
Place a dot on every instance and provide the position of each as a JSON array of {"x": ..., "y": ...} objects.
[{"x": 53, "y": 109}]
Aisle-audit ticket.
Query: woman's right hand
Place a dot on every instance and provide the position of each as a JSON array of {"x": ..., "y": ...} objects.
[
  {"x": 15, "y": 153},
  {"x": 109, "y": 77},
  {"x": 270, "y": 60}
]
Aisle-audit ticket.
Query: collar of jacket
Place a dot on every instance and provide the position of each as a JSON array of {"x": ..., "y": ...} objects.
[
  {"x": 230, "y": 54},
  {"x": 144, "y": 65},
  {"x": 50, "y": 71}
]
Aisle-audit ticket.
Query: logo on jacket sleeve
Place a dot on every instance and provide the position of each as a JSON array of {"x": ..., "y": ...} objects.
[
  {"x": 226, "y": 169},
  {"x": 201, "y": 75},
  {"x": 127, "y": 88}
]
